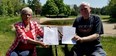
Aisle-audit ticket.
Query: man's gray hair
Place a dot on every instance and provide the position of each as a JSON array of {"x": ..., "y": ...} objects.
[
  {"x": 85, "y": 3},
  {"x": 26, "y": 9}
]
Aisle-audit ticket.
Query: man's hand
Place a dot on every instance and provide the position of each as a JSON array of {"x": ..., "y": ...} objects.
[{"x": 77, "y": 38}]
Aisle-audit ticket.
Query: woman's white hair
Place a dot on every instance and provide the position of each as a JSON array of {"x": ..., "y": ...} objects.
[{"x": 26, "y": 9}]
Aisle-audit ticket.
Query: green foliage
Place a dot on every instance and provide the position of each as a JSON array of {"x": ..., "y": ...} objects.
[
  {"x": 6, "y": 34},
  {"x": 50, "y": 8},
  {"x": 104, "y": 11},
  {"x": 113, "y": 11},
  {"x": 75, "y": 10},
  {"x": 96, "y": 11},
  {"x": 63, "y": 9},
  {"x": 112, "y": 8},
  {"x": 10, "y": 8},
  {"x": 112, "y": 20},
  {"x": 7, "y": 23},
  {"x": 55, "y": 7},
  {"x": 68, "y": 10},
  {"x": 108, "y": 45},
  {"x": 60, "y": 5},
  {"x": 35, "y": 5}
]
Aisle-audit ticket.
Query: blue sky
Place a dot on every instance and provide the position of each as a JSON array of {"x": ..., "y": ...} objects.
[{"x": 93, "y": 3}]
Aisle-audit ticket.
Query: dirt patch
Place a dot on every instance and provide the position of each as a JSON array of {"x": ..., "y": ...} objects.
[{"x": 109, "y": 29}]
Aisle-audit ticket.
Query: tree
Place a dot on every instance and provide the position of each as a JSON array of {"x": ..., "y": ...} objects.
[
  {"x": 96, "y": 11},
  {"x": 112, "y": 8},
  {"x": 3, "y": 7},
  {"x": 74, "y": 10},
  {"x": 50, "y": 8},
  {"x": 104, "y": 11},
  {"x": 61, "y": 6},
  {"x": 35, "y": 5},
  {"x": 18, "y": 5},
  {"x": 10, "y": 8},
  {"x": 56, "y": 7},
  {"x": 68, "y": 10}
]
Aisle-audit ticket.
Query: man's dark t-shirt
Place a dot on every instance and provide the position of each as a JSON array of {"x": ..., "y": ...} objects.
[{"x": 86, "y": 27}]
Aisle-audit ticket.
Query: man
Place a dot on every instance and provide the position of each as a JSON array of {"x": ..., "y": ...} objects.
[{"x": 88, "y": 30}]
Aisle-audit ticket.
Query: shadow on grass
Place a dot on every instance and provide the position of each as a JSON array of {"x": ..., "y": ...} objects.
[
  {"x": 44, "y": 51},
  {"x": 111, "y": 20},
  {"x": 57, "y": 16},
  {"x": 58, "y": 22},
  {"x": 65, "y": 50}
]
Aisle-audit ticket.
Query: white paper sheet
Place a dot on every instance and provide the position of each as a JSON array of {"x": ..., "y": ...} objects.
[
  {"x": 68, "y": 34},
  {"x": 50, "y": 36}
]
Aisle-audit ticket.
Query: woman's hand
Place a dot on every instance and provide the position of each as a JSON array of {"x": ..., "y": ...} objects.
[{"x": 43, "y": 45}]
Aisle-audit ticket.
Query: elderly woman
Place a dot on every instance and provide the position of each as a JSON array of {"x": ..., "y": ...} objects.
[{"x": 26, "y": 33}]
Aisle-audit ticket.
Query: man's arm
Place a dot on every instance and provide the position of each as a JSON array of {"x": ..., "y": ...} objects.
[
  {"x": 86, "y": 38},
  {"x": 90, "y": 38}
]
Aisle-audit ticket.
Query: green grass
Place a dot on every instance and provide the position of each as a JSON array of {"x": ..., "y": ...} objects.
[
  {"x": 109, "y": 45},
  {"x": 104, "y": 17},
  {"x": 5, "y": 42},
  {"x": 7, "y": 36}
]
